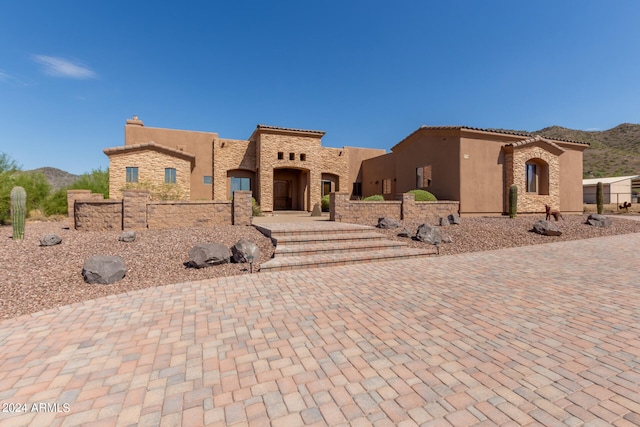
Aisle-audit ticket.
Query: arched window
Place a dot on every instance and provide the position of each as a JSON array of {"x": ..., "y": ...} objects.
[{"x": 537, "y": 176}]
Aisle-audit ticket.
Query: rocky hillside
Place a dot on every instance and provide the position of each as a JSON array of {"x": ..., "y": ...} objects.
[
  {"x": 613, "y": 152},
  {"x": 57, "y": 178}
]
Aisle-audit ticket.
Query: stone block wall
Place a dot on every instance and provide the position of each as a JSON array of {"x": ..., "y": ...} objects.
[
  {"x": 345, "y": 210},
  {"x": 73, "y": 195},
  {"x": 188, "y": 214},
  {"x": 97, "y": 215},
  {"x": 228, "y": 155},
  {"x": 135, "y": 211},
  {"x": 515, "y": 173}
]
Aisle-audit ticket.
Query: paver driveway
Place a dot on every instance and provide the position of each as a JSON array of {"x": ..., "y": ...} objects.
[{"x": 546, "y": 335}]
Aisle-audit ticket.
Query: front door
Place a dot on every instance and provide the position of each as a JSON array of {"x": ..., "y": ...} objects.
[{"x": 281, "y": 195}]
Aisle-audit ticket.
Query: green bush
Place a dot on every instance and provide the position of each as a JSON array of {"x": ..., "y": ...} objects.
[
  {"x": 374, "y": 198},
  {"x": 324, "y": 203},
  {"x": 36, "y": 186},
  {"x": 423, "y": 196},
  {"x": 56, "y": 203},
  {"x": 97, "y": 181}
]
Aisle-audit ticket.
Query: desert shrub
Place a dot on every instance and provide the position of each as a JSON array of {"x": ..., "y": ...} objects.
[
  {"x": 56, "y": 203},
  {"x": 423, "y": 196},
  {"x": 97, "y": 181},
  {"x": 374, "y": 198},
  {"x": 255, "y": 208},
  {"x": 7, "y": 170},
  {"x": 36, "y": 186},
  {"x": 325, "y": 203}
]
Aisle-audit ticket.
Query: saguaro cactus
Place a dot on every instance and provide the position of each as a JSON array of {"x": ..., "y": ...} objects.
[
  {"x": 513, "y": 200},
  {"x": 600, "y": 198},
  {"x": 18, "y": 211}
]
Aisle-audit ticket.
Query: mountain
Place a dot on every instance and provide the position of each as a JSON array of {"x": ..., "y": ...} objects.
[
  {"x": 613, "y": 152},
  {"x": 57, "y": 178}
]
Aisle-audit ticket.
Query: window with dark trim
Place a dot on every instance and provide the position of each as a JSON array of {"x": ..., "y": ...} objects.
[
  {"x": 132, "y": 174},
  {"x": 423, "y": 176},
  {"x": 169, "y": 175},
  {"x": 239, "y": 184},
  {"x": 357, "y": 189},
  {"x": 292, "y": 156},
  {"x": 280, "y": 155},
  {"x": 532, "y": 178},
  {"x": 386, "y": 186},
  {"x": 207, "y": 179},
  {"x": 303, "y": 157}
]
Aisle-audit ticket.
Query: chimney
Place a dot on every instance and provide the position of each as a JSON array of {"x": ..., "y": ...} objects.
[{"x": 135, "y": 121}]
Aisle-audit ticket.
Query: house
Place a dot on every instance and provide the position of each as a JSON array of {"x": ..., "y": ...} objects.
[
  {"x": 616, "y": 189},
  {"x": 286, "y": 169},
  {"x": 477, "y": 166},
  {"x": 289, "y": 169}
]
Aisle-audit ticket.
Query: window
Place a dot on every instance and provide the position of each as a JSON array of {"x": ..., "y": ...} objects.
[
  {"x": 280, "y": 155},
  {"x": 423, "y": 176},
  {"x": 292, "y": 156},
  {"x": 357, "y": 189},
  {"x": 132, "y": 174},
  {"x": 207, "y": 179},
  {"x": 532, "y": 178},
  {"x": 239, "y": 184},
  {"x": 303, "y": 157},
  {"x": 386, "y": 186},
  {"x": 170, "y": 175}
]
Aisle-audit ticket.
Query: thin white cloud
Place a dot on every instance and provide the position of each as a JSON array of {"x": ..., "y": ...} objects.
[
  {"x": 60, "y": 67},
  {"x": 4, "y": 76}
]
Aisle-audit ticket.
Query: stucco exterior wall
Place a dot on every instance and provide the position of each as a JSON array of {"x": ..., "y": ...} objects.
[
  {"x": 151, "y": 165},
  {"x": 355, "y": 157},
  {"x": 200, "y": 144},
  {"x": 439, "y": 149},
  {"x": 571, "y": 178},
  {"x": 374, "y": 171}
]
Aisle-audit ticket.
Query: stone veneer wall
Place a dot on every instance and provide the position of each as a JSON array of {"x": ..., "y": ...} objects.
[
  {"x": 515, "y": 173},
  {"x": 345, "y": 210},
  {"x": 97, "y": 215},
  {"x": 135, "y": 211},
  {"x": 151, "y": 165}
]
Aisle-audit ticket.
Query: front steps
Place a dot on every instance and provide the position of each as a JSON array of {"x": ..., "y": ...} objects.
[{"x": 325, "y": 244}]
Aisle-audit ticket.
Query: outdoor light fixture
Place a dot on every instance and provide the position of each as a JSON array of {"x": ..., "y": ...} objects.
[{"x": 250, "y": 258}]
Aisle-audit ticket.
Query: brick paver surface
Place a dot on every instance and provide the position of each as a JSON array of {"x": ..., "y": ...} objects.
[{"x": 540, "y": 335}]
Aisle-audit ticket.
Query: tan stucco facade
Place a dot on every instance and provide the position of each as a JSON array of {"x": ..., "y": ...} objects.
[
  {"x": 289, "y": 169},
  {"x": 477, "y": 166}
]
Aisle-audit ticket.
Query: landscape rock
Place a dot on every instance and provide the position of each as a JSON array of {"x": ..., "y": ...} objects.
[
  {"x": 403, "y": 233},
  {"x": 317, "y": 211},
  {"x": 208, "y": 254},
  {"x": 243, "y": 249},
  {"x": 454, "y": 219},
  {"x": 446, "y": 239},
  {"x": 599, "y": 220},
  {"x": 429, "y": 234},
  {"x": 50, "y": 240},
  {"x": 127, "y": 236},
  {"x": 103, "y": 269},
  {"x": 387, "y": 223},
  {"x": 444, "y": 222},
  {"x": 546, "y": 228}
]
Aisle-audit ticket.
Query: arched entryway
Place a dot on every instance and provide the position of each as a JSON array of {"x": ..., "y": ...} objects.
[{"x": 290, "y": 189}]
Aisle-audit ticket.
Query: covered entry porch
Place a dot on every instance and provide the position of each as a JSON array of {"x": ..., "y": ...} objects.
[{"x": 291, "y": 189}]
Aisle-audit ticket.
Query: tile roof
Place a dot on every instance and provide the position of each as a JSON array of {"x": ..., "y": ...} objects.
[
  {"x": 151, "y": 145},
  {"x": 318, "y": 132},
  {"x": 536, "y": 138}
]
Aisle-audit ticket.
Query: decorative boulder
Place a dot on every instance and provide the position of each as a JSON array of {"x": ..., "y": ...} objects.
[
  {"x": 403, "y": 233},
  {"x": 446, "y": 239},
  {"x": 599, "y": 220},
  {"x": 208, "y": 254},
  {"x": 243, "y": 249},
  {"x": 454, "y": 219},
  {"x": 546, "y": 228},
  {"x": 317, "y": 211},
  {"x": 103, "y": 269},
  {"x": 50, "y": 240},
  {"x": 387, "y": 223},
  {"x": 444, "y": 222},
  {"x": 429, "y": 234},
  {"x": 127, "y": 236}
]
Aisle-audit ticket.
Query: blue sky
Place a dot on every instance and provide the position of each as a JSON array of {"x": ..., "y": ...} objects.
[{"x": 366, "y": 72}]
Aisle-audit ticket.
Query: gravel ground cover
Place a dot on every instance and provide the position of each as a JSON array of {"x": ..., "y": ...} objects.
[
  {"x": 34, "y": 278},
  {"x": 476, "y": 234}
]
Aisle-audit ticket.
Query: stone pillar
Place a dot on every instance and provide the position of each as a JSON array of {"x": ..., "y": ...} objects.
[
  {"x": 72, "y": 196},
  {"x": 408, "y": 206},
  {"x": 338, "y": 206},
  {"x": 241, "y": 209},
  {"x": 134, "y": 209}
]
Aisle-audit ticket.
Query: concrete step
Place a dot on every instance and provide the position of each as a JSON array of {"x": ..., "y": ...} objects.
[
  {"x": 344, "y": 258},
  {"x": 311, "y": 228},
  {"x": 336, "y": 237},
  {"x": 332, "y": 247}
]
